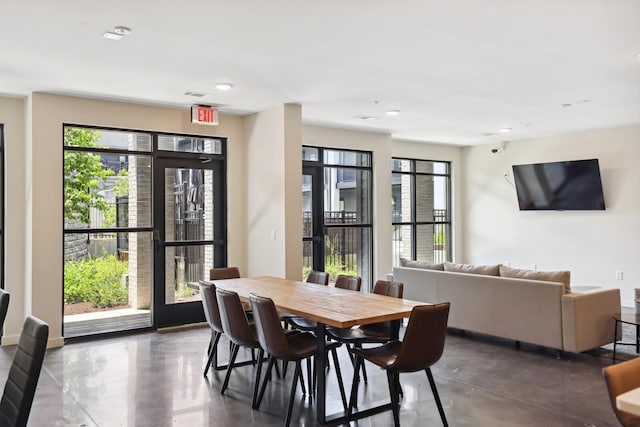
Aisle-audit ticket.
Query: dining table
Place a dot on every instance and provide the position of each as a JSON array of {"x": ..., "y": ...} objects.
[{"x": 328, "y": 306}]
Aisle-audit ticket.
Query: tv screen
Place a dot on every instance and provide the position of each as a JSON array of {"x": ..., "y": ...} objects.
[{"x": 571, "y": 185}]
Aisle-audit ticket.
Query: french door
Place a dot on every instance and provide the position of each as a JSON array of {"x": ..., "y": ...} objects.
[{"x": 189, "y": 233}]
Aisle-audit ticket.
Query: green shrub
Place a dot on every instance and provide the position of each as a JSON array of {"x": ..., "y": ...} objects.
[{"x": 95, "y": 280}]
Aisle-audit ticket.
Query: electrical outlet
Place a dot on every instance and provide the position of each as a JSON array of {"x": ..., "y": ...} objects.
[{"x": 619, "y": 275}]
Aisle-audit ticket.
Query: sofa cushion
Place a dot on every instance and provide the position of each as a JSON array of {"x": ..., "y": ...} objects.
[
  {"x": 421, "y": 264},
  {"x": 487, "y": 270},
  {"x": 563, "y": 277}
]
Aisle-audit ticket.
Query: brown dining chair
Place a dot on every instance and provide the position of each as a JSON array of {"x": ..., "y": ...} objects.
[
  {"x": 221, "y": 273},
  {"x": 621, "y": 378},
  {"x": 420, "y": 349},
  {"x": 318, "y": 277},
  {"x": 240, "y": 332},
  {"x": 212, "y": 314},
  {"x": 292, "y": 347},
  {"x": 21, "y": 384},
  {"x": 352, "y": 283},
  {"x": 376, "y": 333}
]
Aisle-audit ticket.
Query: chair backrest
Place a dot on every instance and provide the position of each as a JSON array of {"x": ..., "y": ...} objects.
[
  {"x": 222, "y": 273},
  {"x": 268, "y": 327},
  {"x": 621, "y": 378},
  {"x": 352, "y": 283},
  {"x": 424, "y": 338},
  {"x": 4, "y": 306},
  {"x": 390, "y": 289},
  {"x": 20, "y": 387},
  {"x": 234, "y": 320},
  {"x": 210, "y": 305},
  {"x": 319, "y": 277}
]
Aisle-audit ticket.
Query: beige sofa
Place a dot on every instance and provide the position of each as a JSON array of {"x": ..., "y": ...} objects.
[{"x": 531, "y": 311}]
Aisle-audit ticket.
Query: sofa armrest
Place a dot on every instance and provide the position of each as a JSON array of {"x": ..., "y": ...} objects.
[{"x": 587, "y": 319}]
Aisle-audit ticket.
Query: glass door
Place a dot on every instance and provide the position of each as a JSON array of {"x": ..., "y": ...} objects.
[
  {"x": 189, "y": 235},
  {"x": 312, "y": 231}
]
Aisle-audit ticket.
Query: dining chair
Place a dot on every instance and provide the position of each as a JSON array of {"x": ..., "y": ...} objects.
[
  {"x": 420, "y": 349},
  {"x": 212, "y": 314},
  {"x": 318, "y": 277},
  {"x": 292, "y": 347},
  {"x": 621, "y": 378},
  {"x": 4, "y": 307},
  {"x": 221, "y": 273},
  {"x": 375, "y": 333},
  {"x": 240, "y": 332},
  {"x": 20, "y": 387}
]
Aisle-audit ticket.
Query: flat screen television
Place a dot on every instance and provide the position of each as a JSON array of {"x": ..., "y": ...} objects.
[{"x": 570, "y": 185}]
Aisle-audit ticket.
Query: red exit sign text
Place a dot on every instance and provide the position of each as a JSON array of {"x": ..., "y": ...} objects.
[{"x": 204, "y": 115}]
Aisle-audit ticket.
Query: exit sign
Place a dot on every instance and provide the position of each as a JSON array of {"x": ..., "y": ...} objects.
[{"x": 204, "y": 115}]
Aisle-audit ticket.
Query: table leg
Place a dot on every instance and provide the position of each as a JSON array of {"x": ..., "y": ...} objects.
[{"x": 321, "y": 374}]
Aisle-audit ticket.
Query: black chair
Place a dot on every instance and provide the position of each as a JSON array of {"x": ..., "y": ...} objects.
[
  {"x": 318, "y": 277},
  {"x": 20, "y": 388},
  {"x": 212, "y": 314},
  {"x": 293, "y": 347},
  {"x": 420, "y": 349},
  {"x": 4, "y": 306}
]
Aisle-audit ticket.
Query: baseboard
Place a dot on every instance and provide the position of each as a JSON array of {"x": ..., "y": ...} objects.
[{"x": 8, "y": 340}]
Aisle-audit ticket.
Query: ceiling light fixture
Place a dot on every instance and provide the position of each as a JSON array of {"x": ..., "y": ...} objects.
[
  {"x": 366, "y": 118},
  {"x": 223, "y": 86},
  {"x": 117, "y": 33},
  {"x": 505, "y": 130},
  {"x": 393, "y": 112}
]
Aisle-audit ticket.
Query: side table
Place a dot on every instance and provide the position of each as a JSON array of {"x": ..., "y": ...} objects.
[{"x": 629, "y": 319}]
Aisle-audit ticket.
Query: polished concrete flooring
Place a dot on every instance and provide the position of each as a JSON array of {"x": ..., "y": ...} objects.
[{"x": 155, "y": 379}]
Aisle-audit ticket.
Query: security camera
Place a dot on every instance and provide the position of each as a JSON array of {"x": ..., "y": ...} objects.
[{"x": 495, "y": 150}]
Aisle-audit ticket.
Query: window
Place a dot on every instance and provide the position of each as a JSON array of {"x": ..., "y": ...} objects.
[{"x": 421, "y": 216}]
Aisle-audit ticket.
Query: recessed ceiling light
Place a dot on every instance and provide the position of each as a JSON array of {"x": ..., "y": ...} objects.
[
  {"x": 122, "y": 30},
  {"x": 393, "y": 112},
  {"x": 223, "y": 86},
  {"x": 110, "y": 35},
  {"x": 196, "y": 94},
  {"x": 364, "y": 117},
  {"x": 505, "y": 130}
]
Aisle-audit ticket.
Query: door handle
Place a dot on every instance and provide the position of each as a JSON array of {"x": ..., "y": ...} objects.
[
  {"x": 205, "y": 159},
  {"x": 156, "y": 236}
]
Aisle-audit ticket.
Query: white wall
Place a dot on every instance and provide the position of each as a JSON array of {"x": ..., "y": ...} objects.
[{"x": 592, "y": 245}]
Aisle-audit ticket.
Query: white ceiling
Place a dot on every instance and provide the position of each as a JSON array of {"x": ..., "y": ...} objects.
[{"x": 456, "y": 69}]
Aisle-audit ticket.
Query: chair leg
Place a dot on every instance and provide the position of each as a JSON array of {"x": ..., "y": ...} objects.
[
  {"x": 364, "y": 370},
  {"x": 437, "y": 397},
  {"x": 267, "y": 377},
  {"x": 336, "y": 362},
  {"x": 254, "y": 400},
  {"x": 232, "y": 359},
  {"x": 393, "y": 392},
  {"x": 213, "y": 352},
  {"x": 310, "y": 381},
  {"x": 297, "y": 374},
  {"x": 353, "y": 399}
]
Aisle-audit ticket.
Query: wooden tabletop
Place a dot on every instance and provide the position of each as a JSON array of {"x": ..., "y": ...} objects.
[{"x": 332, "y": 306}]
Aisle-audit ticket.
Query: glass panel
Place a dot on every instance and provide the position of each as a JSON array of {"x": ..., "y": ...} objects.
[
  {"x": 402, "y": 239},
  {"x": 401, "y": 165},
  {"x": 103, "y": 190},
  {"x": 310, "y": 154},
  {"x": 188, "y": 204},
  {"x": 432, "y": 240},
  {"x": 184, "y": 267},
  {"x": 188, "y": 144},
  {"x": 401, "y": 197},
  {"x": 307, "y": 258},
  {"x": 348, "y": 251},
  {"x": 307, "y": 206},
  {"x": 347, "y": 196},
  {"x": 107, "y": 282},
  {"x": 425, "y": 166},
  {"x": 425, "y": 195},
  {"x": 347, "y": 158},
  {"x": 98, "y": 138}
]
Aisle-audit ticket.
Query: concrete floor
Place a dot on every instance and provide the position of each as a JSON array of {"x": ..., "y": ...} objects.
[{"x": 155, "y": 379}]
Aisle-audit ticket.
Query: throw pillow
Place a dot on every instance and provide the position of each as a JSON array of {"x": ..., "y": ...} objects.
[
  {"x": 563, "y": 277},
  {"x": 421, "y": 264},
  {"x": 487, "y": 270}
]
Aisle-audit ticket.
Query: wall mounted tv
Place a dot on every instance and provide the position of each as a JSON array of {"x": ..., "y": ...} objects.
[{"x": 571, "y": 185}]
